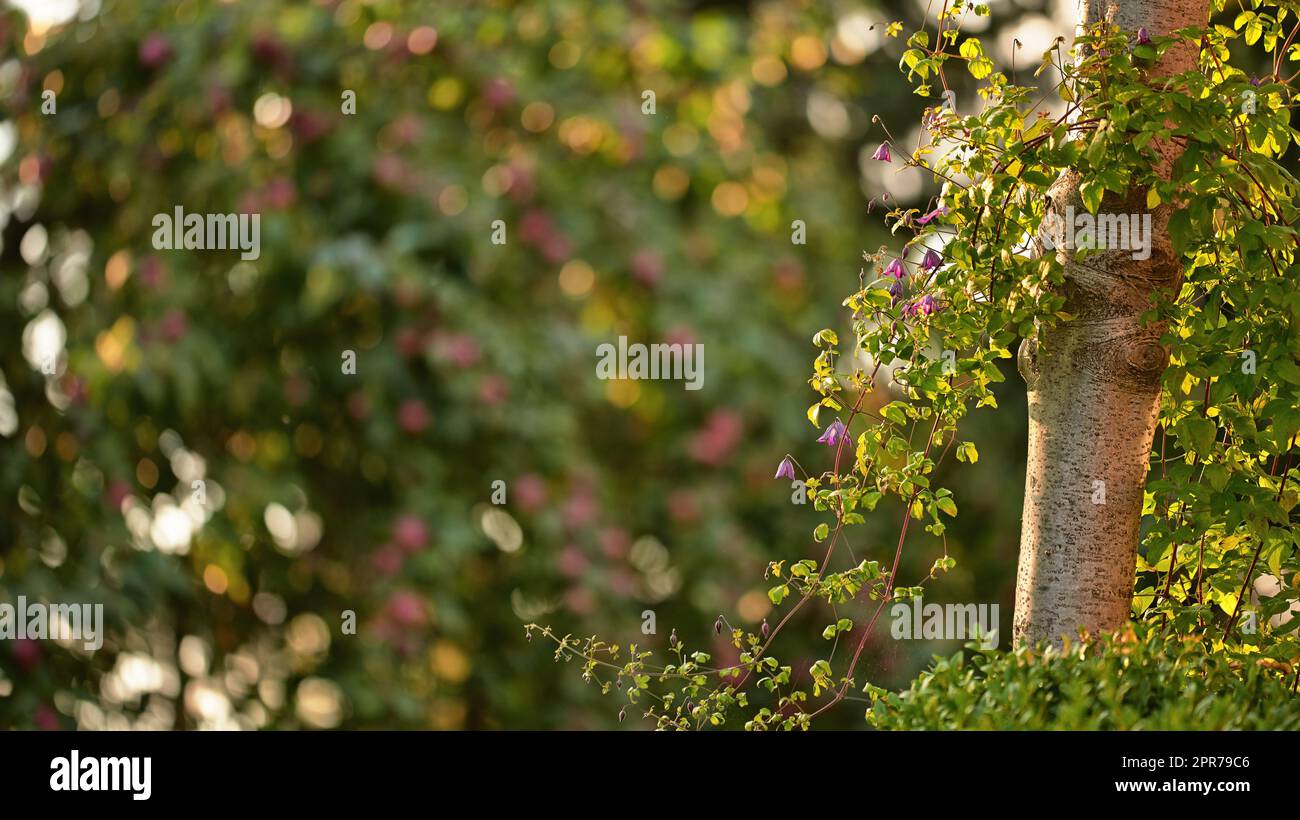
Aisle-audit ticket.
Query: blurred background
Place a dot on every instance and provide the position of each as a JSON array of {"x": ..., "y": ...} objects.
[{"x": 199, "y": 463}]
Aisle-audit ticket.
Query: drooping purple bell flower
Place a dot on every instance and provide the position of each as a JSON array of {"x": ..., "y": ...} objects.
[
  {"x": 785, "y": 469},
  {"x": 896, "y": 270},
  {"x": 925, "y": 306},
  {"x": 1144, "y": 37},
  {"x": 931, "y": 261},
  {"x": 937, "y": 212},
  {"x": 895, "y": 293},
  {"x": 882, "y": 153},
  {"x": 831, "y": 437}
]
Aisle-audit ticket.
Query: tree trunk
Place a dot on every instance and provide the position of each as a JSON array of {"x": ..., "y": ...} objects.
[{"x": 1094, "y": 395}]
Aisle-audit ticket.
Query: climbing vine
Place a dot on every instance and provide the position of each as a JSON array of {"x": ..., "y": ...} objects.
[{"x": 972, "y": 275}]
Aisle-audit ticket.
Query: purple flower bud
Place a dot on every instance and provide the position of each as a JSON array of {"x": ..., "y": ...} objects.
[
  {"x": 1255, "y": 81},
  {"x": 931, "y": 261},
  {"x": 672, "y": 638},
  {"x": 896, "y": 269},
  {"x": 765, "y": 630},
  {"x": 622, "y": 713},
  {"x": 833, "y": 434},
  {"x": 785, "y": 469},
  {"x": 1144, "y": 37},
  {"x": 895, "y": 292},
  {"x": 717, "y": 626},
  {"x": 882, "y": 153}
]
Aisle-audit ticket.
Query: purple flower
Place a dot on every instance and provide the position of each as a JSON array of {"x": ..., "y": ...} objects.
[
  {"x": 833, "y": 434},
  {"x": 931, "y": 261},
  {"x": 785, "y": 469},
  {"x": 1144, "y": 37},
  {"x": 896, "y": 270},
  {"x": 925, "y": 306},
  {"x": 895, "y": 292},
  {"x": 882, "y": 153},
  {"x": 1255, "y": 81},
  {"x": 940, "y": 211}
]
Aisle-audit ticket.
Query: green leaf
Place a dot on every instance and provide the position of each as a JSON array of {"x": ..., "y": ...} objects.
[
  {"x": 1091, "y": 192},
  {"x": 895, "y": 411},
  {"x": 1201, "y": 433}
]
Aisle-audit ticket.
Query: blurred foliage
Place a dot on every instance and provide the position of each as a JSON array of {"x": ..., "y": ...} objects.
[
  {"x": 324, "y": 493},
  {"x": 1137, "y": 679},
  {"x": 995, "y": 270}
]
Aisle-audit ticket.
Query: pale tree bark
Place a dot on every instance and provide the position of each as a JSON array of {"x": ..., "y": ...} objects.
[{"x": 1094, "y": 394}]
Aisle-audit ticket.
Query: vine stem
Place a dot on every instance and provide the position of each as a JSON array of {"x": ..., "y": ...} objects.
[
  {"x": 1236, "y": 610},
  {"x": 889, "y": 588}
]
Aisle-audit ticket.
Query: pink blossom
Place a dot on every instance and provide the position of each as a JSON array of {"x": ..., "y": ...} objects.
[
  {"x": 721, "y": 434},
  {"x": 647, "y": 266},
  {"x": 406, "y": 608},
  {"x": 614, "y": 542},
  {"x": 411, "y": 533},
  {"x": 155, "y": 51},
  {"x": 412, "y": 416},
  {"x": 530, "y": 492},
  {"x": 571, "y": 562}
]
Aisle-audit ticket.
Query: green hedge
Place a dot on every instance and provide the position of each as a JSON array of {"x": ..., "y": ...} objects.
[{"x": 1139, "y": 679}]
